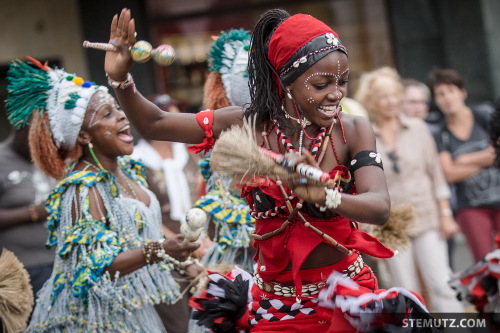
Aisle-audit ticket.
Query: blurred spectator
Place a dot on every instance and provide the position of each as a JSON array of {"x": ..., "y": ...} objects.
[
  {"x": 23, "y": 191},
  {"x": 172, "y": 174},
  {"x": 415, "y": 104},
  {"x": 413, "y": 176},
  {"x": 467, "y": 160},
  {"x": 416, "y": 99}
]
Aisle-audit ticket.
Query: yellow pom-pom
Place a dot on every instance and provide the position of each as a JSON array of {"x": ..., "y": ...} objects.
[
  {"x": 141, "y": 51},
  {"x": 78, "y": 81}
]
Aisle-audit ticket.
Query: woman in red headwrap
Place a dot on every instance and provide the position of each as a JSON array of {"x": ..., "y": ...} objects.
[{"x": 298, "y": 73}]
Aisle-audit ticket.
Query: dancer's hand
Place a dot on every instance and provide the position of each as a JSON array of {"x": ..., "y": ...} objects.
[
  {"x": 301, "y": 186},
  {"x": 118, "y": 64},
  {"x": 192, "y": 271},
  {"x": 177, "y": 248}
]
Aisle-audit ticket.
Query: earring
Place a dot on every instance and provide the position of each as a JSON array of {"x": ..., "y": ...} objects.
[
  {"x": 91, "y": 146},
  {"x": 288, "y": 94}
]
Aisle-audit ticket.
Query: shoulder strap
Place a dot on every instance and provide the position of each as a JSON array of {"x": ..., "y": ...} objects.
[
  {"x": 445, "y": 137},
  {"x": 482, "y": 117}
]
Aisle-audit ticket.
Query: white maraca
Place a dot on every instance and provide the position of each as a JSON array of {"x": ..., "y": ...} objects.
[{"x": 193, "y": 227}]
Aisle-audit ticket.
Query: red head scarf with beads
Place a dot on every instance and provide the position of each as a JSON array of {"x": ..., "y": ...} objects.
[{"x": 297, "y": 44}]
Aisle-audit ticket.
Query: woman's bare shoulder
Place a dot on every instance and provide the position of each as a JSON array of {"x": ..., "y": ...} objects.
[
  {"x": 226, "y": 117},
  {"x": 354, "y": 123}
]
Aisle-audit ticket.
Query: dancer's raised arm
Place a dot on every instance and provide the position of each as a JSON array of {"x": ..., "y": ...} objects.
[{"x": 151, "y": 122}]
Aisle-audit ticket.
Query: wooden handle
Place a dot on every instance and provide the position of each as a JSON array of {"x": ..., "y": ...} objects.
[{"x": 100, "y": 46}]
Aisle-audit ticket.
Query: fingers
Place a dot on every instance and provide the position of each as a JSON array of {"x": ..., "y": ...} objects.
[
  {"x": 290, "y": 160},
  {"x": 131, "y": 33},
  {"x": 114, "y": 22},
  {"x": 310, "y": 158},
  {"x": 179, "y": 237},
  {"x": 192, "y": 246},
  {"x": 121, "y": 21},
  {"x": 298, "y": 181},
  {"x": 126, "y": 22}
]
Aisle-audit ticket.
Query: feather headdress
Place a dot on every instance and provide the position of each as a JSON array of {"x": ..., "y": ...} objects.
[
  {"x": 228, "y": 56},
  {"x": 62, "y": 95}
]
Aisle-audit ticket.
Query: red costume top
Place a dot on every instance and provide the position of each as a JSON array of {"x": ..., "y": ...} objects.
[{"x": 297, "y": 241}]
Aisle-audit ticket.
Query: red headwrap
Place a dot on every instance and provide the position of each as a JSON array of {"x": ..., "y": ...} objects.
[{"x": 291, "y": 40}]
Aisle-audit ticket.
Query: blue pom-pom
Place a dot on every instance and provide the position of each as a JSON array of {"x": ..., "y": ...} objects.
[{"x": 87, "y": 84}]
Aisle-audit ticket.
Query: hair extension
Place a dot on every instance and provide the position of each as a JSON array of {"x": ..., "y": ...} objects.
[
  {"x": 47, "y": 157},
  {"x": 494, "y": 132},
  {"x": 214, "y": 96},
  {"x": 264, "y": 93}
]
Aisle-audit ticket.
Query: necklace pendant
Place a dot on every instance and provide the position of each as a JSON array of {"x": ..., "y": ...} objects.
[{"x": 305, "y": 122}]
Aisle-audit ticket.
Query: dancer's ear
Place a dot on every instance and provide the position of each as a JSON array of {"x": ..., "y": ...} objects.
[{"x": 84, "y": 138}]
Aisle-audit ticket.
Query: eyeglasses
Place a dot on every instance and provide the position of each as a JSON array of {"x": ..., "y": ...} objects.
[
  {"x": 394, "y": 159},
  {"x": 416, "y": 102}
]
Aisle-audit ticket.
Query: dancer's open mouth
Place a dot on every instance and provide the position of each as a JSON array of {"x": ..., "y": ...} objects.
[
  {"x": 124, "y": 134},
  {"x": 329, "y": 110}
]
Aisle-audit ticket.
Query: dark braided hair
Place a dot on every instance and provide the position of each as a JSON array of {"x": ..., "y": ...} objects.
[
  {"x": 494, "y": 132},
  {"x": 264, "y": 92}
]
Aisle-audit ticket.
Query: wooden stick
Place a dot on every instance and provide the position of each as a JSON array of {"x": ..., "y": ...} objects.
[
  {"x": 325, "y": 144},
  {"x": 320, "y": 233},
  {"x": 272, "y": 233}
]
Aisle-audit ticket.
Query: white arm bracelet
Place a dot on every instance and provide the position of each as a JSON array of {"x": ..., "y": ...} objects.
[{"x": 332, "y": 199}]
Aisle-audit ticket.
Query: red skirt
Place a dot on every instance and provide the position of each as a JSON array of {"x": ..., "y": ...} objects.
[{"x": 272, "y": 313}]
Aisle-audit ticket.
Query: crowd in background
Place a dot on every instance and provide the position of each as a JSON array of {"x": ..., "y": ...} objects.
[{"x": 444, "y": 170}]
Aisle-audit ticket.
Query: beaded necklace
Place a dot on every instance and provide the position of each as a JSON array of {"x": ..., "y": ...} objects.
[
  {"x": 122, "y": 175},
  {"x": 313, "y": 148}
]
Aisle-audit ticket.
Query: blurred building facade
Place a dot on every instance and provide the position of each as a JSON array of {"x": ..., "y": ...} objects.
[{"x": 412, "y": 35}]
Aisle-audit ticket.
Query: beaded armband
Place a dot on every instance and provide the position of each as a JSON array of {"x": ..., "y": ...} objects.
[
  {"x": 122, "y": 85},
  {"x": 154, "y": 252}
]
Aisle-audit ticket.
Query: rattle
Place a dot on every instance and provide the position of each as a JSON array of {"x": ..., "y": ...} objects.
[
  {"x": 142, "y": 51},
  {"x": 193, "y": 227}
]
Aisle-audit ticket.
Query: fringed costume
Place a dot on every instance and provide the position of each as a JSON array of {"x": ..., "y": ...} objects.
[{"x": 80, "y": 296}]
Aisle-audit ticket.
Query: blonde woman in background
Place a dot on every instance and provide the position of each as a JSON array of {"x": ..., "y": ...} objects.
[{"x": 414, "y": 176}]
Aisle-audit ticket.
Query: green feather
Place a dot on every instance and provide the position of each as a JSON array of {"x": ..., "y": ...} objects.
[
  {"x": 27, "y": 91},
  {"x": 216, "y": 54},
  {"x": 71, "y": 102}
]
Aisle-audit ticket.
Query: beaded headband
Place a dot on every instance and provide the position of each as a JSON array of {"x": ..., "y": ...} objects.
[{"x": 297, "y": 44}]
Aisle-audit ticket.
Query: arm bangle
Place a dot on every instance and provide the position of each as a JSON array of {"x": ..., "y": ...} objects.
[{"x": 124, "y": 84}]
